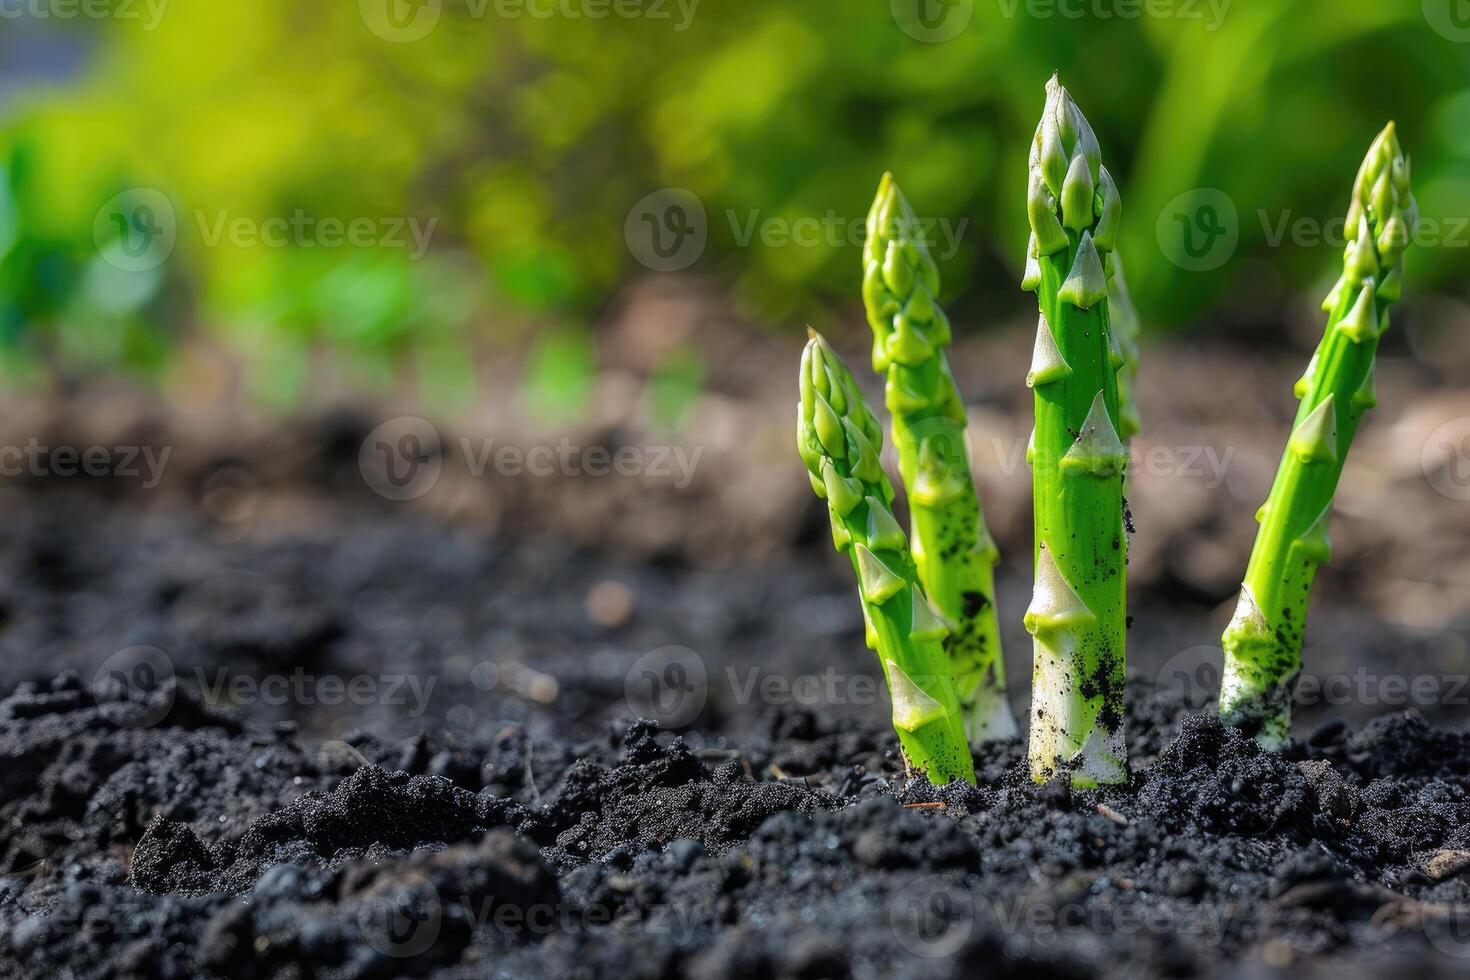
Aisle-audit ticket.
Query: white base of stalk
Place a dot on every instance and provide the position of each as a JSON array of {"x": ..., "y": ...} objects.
[
  {"x": 1251, "y": 698},
  {"x": 988, "y": 716},
  {"x": 1244, "y": 704},
  {"x": 1063, "y": 737}
]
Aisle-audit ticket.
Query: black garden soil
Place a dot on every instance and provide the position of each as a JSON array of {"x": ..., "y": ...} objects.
[{"x": 259, "y": 721}]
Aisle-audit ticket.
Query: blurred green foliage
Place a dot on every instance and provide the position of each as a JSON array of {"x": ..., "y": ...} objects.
[{"x": 523, "y": 141}]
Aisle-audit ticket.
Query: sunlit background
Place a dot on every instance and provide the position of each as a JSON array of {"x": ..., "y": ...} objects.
[{"x": 493, "y": 154}]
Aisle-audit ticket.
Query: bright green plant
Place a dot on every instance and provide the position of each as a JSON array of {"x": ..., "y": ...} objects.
[
  {"x": 70, "y": 305},
  {"x": 1263, "y": 643},
  {"x": 951, "y": 546},
  {"x": 839, "y": 441},
  {"x": 1077, "y": 615}
]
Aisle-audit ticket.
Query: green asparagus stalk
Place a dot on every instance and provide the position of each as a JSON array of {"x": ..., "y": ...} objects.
[
  {"x": 839, "y": 441},
  {"x": 1263, "y": 643},
  {"x": 1124, "y": 321},
  {"x": 1077, "y": 616},
  {"x": 951, "y": 546}
]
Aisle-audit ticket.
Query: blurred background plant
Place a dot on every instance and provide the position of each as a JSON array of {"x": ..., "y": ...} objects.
[{"x": 515, "y": 146}]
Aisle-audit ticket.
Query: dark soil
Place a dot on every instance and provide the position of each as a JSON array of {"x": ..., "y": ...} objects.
[
  {"x": 504, "y": 831},
  {"x": 338, "y": 737}
]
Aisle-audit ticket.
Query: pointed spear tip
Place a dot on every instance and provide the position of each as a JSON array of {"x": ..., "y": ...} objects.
[{"x": 887, "y": 189}]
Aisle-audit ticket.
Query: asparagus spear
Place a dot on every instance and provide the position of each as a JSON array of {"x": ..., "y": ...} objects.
[
  {"x": 839, "y": 441},
  {"x": 1263, "y": 643},
  {"x": 1077, "y": 615},
  {"x": 951, "y": 546}
]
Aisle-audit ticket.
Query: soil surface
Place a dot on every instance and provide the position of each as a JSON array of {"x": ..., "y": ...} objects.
[{"x": 276, "y": 726}]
